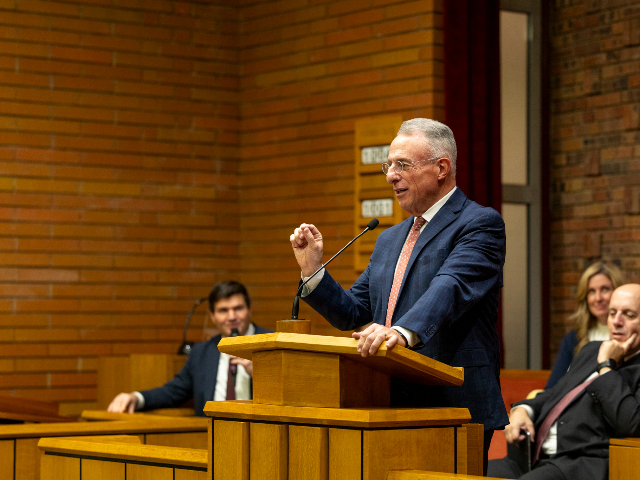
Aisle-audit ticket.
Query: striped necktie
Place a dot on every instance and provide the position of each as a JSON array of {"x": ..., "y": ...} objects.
[{"x": 402, "y": 267}]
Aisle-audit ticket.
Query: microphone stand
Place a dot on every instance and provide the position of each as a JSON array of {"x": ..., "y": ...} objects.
[
  {"x": 185, "y": 348},
  {"x": 296, "y": 301}
]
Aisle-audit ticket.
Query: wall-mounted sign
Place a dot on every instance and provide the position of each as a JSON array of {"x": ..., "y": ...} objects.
[
  {"x": 373, "y": 197},
  {"x": 371, "y": 155},
  {"x": 382, "y": 207}
]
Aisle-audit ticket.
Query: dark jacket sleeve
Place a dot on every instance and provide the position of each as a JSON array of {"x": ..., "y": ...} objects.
[
  {"x": 564, "y": 358},
  {"x": 173, "y": 393},
  {"x": 617, "y": 395}
]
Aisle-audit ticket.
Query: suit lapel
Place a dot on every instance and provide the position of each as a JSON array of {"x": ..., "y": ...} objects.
[
  {"x": 447, "y": 214},
  {"x": 583, "y": 371}
]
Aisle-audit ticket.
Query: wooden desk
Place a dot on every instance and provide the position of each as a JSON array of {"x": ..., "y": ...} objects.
[{"x": 18, "y": 410}]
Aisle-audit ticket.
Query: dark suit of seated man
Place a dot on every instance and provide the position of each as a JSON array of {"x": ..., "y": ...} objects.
[
  {"x": 205, "y": 375},
  {"x": 577, "y": 444}
]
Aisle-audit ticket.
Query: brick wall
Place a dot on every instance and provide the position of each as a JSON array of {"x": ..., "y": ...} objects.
[
  {"x": 595, "y": 120},
  {"x": 151, "y": 148},
  {"x": 119, "y": 128},
  {"x": 308, "y": 73}
]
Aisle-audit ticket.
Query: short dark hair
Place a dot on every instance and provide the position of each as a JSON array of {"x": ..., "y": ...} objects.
[{"x": 227, "y": 289}]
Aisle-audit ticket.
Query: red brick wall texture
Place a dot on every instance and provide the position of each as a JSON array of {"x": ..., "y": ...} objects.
[
  {"x": 594, "y": 166},
  {"x": 149, "y": 148}
]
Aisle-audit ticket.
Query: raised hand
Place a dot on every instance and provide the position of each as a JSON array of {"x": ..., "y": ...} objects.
[{"x": 307, "y": 245}]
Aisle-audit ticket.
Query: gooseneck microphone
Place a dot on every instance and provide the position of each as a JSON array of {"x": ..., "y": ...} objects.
[
  {"x": 233, "y": 368},
  {"x": 296, "y": 301},
  {"x": 185, "y": 348}
]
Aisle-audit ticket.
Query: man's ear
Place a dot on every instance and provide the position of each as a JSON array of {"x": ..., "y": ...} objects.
[{"x": 444, "y": 168}]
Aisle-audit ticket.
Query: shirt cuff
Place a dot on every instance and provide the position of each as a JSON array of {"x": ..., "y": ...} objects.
[
  {"x": 140, "y": 404},
  {"x": 313, "y": 283},
  {"x": 529, "y": 410},
  {"x": 412, "y": 337}
]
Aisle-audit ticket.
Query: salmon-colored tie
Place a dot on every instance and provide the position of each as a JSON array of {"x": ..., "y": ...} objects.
[{"x": 402, "y": 267}]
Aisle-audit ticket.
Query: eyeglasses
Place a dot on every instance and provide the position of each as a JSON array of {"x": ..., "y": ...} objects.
[{"x": 399, "y": 166}]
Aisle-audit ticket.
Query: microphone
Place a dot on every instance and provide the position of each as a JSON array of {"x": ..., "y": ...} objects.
[
  {"x": 233, "y": 368},
  {"x": 296, "y": 301},
  {"x": 185, "y": 348}
]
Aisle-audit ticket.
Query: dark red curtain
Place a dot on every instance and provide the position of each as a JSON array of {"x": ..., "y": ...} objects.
[
  {"x": 472, "y": 99},
  {"x": 472, "y": 95}
]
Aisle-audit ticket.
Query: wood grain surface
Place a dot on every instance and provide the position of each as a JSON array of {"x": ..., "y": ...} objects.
[
  {"x": 342, "y": 417},
  {"x": 397, "y": 361}
]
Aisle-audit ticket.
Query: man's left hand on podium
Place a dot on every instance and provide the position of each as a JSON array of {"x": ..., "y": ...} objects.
[{"x": 370, "y": 339}]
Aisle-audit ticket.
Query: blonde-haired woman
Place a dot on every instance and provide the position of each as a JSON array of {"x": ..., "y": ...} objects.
[{"x": 595, "y": 287}]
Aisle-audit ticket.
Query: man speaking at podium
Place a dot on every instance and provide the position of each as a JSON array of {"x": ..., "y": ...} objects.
[{"x": 433, "y": 281}]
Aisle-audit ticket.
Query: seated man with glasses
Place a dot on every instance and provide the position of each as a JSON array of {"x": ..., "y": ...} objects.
[{"x": 433, "y": 281}]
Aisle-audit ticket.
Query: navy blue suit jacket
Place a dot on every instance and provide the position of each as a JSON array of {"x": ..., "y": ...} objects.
[
  {"x": 196, "y": 379},
  {"x": 449, "y": 297}
]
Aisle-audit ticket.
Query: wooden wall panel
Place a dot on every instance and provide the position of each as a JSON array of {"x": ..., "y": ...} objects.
[
  {"x": 27, "y": 458},
  {"x": 99, "y": 470},
  {"x": 6, "y": 459},
  {"x": 55, "y": 467},
  {"x": 148, "y": 472}
]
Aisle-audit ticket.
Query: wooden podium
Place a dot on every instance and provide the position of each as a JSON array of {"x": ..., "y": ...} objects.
[{"x": 321, "y": 411}]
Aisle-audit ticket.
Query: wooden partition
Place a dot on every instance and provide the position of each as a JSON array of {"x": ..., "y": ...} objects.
[
  {"x": 118, "y": 458},
  {"x": 19, "y": 454},
  {"x": 134, "y": 372},
  {"x": 18, "y": 410},
  {"x": 624, "y": 459}
]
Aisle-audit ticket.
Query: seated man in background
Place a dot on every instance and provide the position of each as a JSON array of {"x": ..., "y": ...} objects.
[
  {"x": 599, "y": 398},
  {"x": 206, "y": 373}
]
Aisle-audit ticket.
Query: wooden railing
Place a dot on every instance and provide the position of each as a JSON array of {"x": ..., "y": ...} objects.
[
  {"x": 118, "y": 458},
  {"x": 19, "y": 454}
]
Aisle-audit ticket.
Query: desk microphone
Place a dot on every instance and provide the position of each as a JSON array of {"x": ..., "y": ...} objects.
[
  {"x": 296, "y": 301},
  {"x": 233, "y": 368}
]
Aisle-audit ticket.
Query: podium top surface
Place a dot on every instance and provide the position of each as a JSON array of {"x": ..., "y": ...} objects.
[
  {"x": 397, "y": 361},
  {"x": 243, "y": 410}
]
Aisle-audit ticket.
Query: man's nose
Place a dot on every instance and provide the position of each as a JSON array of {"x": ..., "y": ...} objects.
[
  {"x": 617, "y": 319},
  {"x": 392, "y": 176}
]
